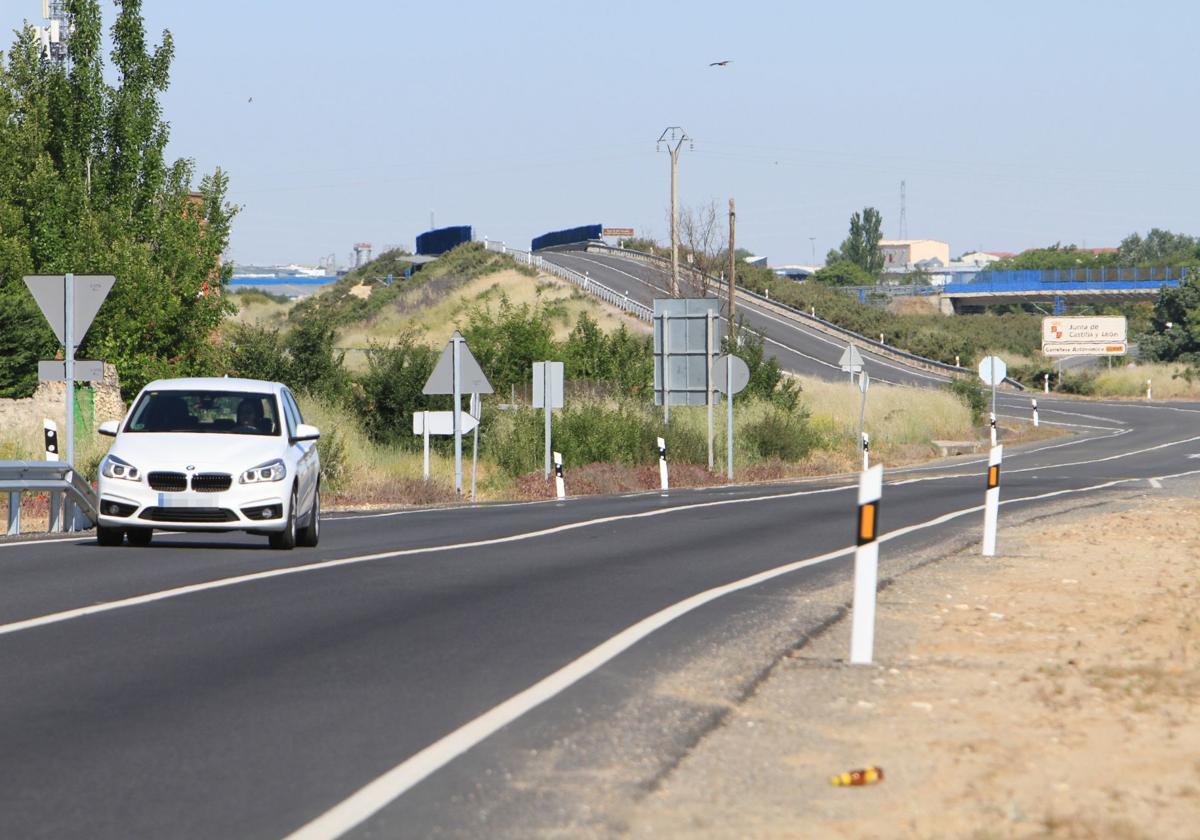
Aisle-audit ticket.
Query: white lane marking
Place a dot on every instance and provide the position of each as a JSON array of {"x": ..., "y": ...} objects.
[
  {"x": 42, "y": 542},
  {"x": 1156, "y": 484},
  {"x": 250, "y": 577},
  {"x": 379, "y": 793}
]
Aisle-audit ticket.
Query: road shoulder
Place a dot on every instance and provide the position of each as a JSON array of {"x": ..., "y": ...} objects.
[{"x": 1048, "y": 692}]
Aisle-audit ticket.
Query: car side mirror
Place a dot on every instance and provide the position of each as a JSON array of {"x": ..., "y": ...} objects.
[
  {"x": 305, "y": 432},
  {"x": 109, "y": 428}
]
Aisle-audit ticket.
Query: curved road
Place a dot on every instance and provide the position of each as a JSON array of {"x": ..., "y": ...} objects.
[
  {"x": 799, "y": 348},
  {"x": 394, "y": 681}
]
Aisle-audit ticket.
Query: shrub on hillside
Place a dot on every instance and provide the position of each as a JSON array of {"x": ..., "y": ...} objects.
[
  {"x": 971, "y": 395},
  {"x": 385, "y": 397}
]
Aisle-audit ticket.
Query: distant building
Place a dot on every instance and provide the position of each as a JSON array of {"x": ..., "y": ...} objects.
[
  {"x": 904, "y": 254},
  {"x": 982, "y": 258}
]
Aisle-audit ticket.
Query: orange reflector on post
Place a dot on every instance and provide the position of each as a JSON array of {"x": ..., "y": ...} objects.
[
  {"x": 868, "y": 522},
  {"x": 993, "y": 476}
]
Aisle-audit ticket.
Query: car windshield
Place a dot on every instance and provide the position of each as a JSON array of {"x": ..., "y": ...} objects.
[{"x": 212, "y": 412}]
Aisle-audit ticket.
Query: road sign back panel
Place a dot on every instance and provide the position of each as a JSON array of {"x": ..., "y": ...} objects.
[
  {"x": 49, "y": 291},
  {"x": 441, "y": 381}
]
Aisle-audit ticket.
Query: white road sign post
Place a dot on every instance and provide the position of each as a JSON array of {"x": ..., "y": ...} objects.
[
  {"x": 1087, "y": 336},
  {"x": 864, "y": 382},
  {"x": 866, "y": 567},
  {"x": 548, "y": 395},
  {"x": 70, "y": 304},
  {"x": 729, "y": 376},
  {"x": 457, "y": 373},
  {"x": 441, "y": 423},
  {"x": 851, "y": 361}
]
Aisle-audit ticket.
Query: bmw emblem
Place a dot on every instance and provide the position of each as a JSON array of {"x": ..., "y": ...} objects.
[{"x": 190, "y": 467}]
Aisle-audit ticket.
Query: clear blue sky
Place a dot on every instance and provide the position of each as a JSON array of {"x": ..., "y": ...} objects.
[{"x": 1014, "y": 124}]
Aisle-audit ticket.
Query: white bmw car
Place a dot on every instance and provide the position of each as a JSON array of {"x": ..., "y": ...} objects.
[{"x": 211, "y": 455}]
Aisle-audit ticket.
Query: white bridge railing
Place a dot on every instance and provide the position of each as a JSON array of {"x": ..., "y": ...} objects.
[{"x": 621, "y": 300}]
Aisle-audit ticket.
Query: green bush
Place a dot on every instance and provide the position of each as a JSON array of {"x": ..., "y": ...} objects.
[
  {"x": 779, "y": 433},
  {"x": 385, "y": 397},
  {"x": 971, "y": 395}
]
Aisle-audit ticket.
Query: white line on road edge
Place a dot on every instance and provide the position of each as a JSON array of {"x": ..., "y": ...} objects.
[
  {"x": 378, "y": 794},
  {"x": 151, "y": 597},
  {"x": 866, "y": 567}
]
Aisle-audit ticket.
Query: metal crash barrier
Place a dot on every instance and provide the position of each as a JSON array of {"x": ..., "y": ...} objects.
[{"x": 73, "y": 501}]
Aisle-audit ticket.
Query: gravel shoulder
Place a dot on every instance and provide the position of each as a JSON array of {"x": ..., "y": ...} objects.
[{"x": 1049, "y": 692}]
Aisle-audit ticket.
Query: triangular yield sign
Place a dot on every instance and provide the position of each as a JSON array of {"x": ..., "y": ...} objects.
[
  {"x": 49, "y": 290},
  {"x": 441, "y": 381},
  {"x": 851, "y": 358}
]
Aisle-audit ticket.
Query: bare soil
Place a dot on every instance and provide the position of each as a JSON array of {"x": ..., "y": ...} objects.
[{"x": 1049, "y": 692}]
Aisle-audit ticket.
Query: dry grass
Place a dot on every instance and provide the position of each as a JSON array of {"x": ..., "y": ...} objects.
[
  {"x": 258, "y": 309},
  {"x": 1131, "y": 382},
  {"x": 434, "y": 314},
  {"x": 898, "y": 417}
]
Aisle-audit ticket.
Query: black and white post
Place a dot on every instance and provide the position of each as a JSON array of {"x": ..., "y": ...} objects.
[
  {"x": 560, "y": 490},
  {"x": 662, "y": 466},
  {"x": 992, "y": 423},
  {"x": 50, "y": 434},
  {"x": 866, "y": 567},
  {"x": 991, "y": 506},
  {"x": 1035, "y": 414},
  {"x": 866, "y": 448}
]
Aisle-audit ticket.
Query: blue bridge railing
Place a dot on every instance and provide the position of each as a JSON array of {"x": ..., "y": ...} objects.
[{"x": 1068, "y": 278}]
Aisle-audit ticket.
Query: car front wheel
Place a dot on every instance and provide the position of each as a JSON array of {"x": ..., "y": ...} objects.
[
  {"x": 286, "y": 539},
  {"x": 109, "y": 536}
]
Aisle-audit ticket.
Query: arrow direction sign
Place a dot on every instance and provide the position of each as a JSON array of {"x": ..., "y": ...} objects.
[
  {"x": 851, "y": 360},
  {"x": 49, "y": 290},
  {"x": 440, "y": 422}
]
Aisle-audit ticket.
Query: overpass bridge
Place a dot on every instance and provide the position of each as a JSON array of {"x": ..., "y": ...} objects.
[{"x": 1059, "y": 287}]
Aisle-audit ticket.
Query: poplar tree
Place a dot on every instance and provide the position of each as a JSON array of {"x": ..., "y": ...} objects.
[{"x": 86, "y": 187}]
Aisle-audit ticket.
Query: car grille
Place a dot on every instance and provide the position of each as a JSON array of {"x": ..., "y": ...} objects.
[
  {"x": 169, "y": 482},
  {"x": 211, "y": 482},
  {"x": 188, "y": 514}
]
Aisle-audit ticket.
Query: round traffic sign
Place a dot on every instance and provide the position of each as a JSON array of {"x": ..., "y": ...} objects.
[
  {"x": 738, "y": 373},
  {"x": 992, "y": 370}
]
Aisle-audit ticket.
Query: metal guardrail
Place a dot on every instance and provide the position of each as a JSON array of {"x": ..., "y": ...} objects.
[
  {"x": 620, "y": 300},
  {"x": 73, "y": 502},
  {"x": 828, "y": 326}
]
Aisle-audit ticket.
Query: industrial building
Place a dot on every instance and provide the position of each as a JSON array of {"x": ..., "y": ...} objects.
[{"x": 905, "y": 254}]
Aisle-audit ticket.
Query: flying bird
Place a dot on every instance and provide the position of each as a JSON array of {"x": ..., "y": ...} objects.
[{"x": 720, "y": 63}]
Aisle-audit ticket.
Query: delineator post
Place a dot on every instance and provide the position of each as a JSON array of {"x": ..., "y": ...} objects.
[
  {"x": 991, "y": 507},
  {"x": 866, "y": 567}
]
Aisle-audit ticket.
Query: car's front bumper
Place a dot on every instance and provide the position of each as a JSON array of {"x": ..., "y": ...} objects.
[{"x": 257, "y": 507}]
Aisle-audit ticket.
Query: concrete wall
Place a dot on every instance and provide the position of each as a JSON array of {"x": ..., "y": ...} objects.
[{"x": 21, "y": 420}]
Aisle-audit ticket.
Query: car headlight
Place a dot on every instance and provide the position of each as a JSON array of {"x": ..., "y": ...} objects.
[
  {"x": 114, "y": 467},
  {"x": 270, "y": 471}
]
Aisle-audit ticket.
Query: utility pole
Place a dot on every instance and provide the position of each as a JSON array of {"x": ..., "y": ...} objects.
[
  {"x": 673, "y": 137},
  {"x": 732, "y": 274},
  {"x": 812, "y": 241}
]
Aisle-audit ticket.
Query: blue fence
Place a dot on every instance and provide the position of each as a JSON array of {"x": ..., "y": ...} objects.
[
  {"x": 1080, "y": 278},
  {"x": 566, "y": 237},
  {"x": 440, "y": 241}
]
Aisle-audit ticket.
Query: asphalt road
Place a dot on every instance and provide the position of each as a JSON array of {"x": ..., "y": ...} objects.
[
  {"x": 209, "y": 687},
  {"x": 799, "y": 348}
]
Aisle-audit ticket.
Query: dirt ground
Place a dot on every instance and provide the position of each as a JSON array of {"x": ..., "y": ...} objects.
[{"x": 1049, "y": 692}]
